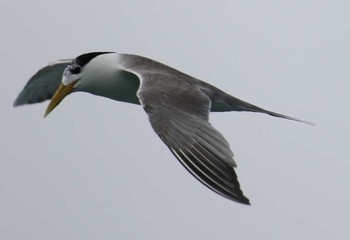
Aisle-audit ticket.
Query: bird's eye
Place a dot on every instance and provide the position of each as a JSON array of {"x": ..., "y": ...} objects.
[{"x": 75, "y": 70}]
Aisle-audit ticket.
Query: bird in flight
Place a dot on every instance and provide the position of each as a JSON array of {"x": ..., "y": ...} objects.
[{"x": 177, "y": 105}]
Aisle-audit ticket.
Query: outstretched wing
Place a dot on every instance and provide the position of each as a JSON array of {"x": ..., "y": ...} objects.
[
  {"x": 178, "y": 112},
  {"x": 43, "y": 84}
]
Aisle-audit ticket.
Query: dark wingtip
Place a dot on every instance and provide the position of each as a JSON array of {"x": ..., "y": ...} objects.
[
  {"x": 43, "y": 84},
  {"x": 22, "y": 99},
  {"x": 18, "y": 101},
  {"x": 247, "y": 201},
  {"x": 243, "y": 200}
]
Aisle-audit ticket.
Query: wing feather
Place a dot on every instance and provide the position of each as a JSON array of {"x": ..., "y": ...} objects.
[
  {"x": 178, "y": 113},
  {"x": 42, "y": 85}
]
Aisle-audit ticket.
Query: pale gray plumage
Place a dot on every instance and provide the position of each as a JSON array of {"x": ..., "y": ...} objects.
[
  {"x": 177, "y": 104},
  {"x": 43, "y": 84}
]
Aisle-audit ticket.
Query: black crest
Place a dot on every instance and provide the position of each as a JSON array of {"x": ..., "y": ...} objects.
[{"x": 84, "y": 59}]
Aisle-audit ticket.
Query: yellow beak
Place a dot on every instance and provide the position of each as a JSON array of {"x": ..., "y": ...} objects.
[{"x": 59, "y": 95}]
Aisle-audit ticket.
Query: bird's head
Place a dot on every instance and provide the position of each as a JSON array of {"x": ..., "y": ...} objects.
[{"x": 72, "y": 77}]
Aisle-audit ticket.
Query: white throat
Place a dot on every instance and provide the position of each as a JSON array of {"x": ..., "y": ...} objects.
[{"x": 104, "y": 76}]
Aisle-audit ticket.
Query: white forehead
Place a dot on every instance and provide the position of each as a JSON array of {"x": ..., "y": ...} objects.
[
  {"x": 101, "y": 63},
  {"x": 68, "y": 77}
]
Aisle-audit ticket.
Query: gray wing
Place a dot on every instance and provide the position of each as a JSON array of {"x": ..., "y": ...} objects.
[
  {"x": 43, "y": 84},
  {"x": 178, "y": 112}
]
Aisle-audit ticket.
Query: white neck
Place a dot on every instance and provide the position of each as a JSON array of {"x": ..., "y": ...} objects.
[{"x": 103, "y": 76}]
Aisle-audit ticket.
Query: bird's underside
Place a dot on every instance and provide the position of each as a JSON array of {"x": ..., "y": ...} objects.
[{"x": 177, "y": 104}]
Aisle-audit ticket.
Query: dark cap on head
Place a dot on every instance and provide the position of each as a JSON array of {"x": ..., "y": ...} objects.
[{"x": 84, "y": 59}]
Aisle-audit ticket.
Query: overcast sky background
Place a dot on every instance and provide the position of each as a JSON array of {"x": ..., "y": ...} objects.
[{"x": 94, "y": 168}]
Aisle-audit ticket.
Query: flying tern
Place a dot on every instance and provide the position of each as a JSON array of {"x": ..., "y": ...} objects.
[{"x": 177, "y": 105}]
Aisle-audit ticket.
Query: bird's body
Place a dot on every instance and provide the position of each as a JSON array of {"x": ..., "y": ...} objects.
[{"x": 178, "y": 106}]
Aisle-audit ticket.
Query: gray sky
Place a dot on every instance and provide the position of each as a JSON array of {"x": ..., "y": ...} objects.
[{"x": 94, "y": 169}]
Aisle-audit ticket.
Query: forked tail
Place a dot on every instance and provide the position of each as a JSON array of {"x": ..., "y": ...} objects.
[{"x": 239, "y": 105}]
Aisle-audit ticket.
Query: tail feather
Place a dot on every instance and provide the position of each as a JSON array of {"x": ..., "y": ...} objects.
[{"x": 240, "y": 105}]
